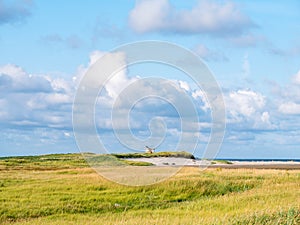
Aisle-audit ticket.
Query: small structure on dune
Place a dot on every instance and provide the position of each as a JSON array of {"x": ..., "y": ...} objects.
[{"x": 149, "y": 150}]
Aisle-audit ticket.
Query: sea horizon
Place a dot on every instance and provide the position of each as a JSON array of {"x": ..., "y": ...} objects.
[{"x": 245, "y": 159}]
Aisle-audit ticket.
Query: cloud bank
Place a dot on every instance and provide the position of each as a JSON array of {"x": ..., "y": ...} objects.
[
  {"x": 207, "y": 17},
  {"x": 40, "y": 106}
]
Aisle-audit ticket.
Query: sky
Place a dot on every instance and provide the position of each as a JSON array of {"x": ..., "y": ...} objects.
[{"x": 251, "y": 47}]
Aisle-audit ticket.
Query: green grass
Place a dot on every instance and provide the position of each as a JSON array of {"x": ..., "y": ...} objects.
[
  {"x": 221, "y": 161},
  {"x": 43, "y": 162},
  {"x": 291, "y": 216},
  {"x": 64, "y": 161},
  {"x": 137, "y": 163},
  {"x": 62, "y": 189}
]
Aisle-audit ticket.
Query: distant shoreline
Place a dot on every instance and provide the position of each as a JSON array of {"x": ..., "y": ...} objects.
[
  {"x": 259, "y": 160},
  {"x": 221, "y": 163},
  {"x": 176, "y": 159},
  {"x": 283, "y": 166},
  {"x": 221, "y": 159}
]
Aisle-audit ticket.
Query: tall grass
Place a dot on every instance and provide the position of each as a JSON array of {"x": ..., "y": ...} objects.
[{"x": 64, "y": 190}]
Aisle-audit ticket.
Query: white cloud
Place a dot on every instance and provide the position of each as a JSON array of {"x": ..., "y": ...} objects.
[
  {"x": 58, "y": 98},
  {"x": 205, "y": 17},
  {"x": 67, "y": 134},
  {"x": 3, "y": 112},
  {"x": 244, "y": 103},
  {"x": 289, "y": 108},
  {"x": 264, "y": 122},
  {"x": 14, "y": 78},
  {"x": 200, "y": 95},
  {"x": 265, "y": 117},
  {"x": 184, "y": 85},
  {"x": 148, "y": 15},
  {"x": 296, "y": 78},
  {"x": 94, "y": 56},
  {"x": 49, "y": 101},
  {"x": 34, "y": 100},
  {"x": 247, "y": 109},
  {"x": 61, "y": 85},
  {"x": 12, "y": 70},
  {"x": 288, "y": 97},
  {"x": 115, "y": 84}
]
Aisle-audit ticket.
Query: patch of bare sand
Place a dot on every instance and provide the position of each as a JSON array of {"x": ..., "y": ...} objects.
[{"x": 179, "y": 162}]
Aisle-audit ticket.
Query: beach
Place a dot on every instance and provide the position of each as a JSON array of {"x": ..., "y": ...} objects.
[{"x": 175, "y": 161}]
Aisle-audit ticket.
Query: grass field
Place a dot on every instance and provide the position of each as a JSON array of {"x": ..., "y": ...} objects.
[{"x": 62, "y": 189}]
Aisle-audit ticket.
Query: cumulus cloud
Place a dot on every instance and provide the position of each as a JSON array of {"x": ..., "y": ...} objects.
[
  {"x": 44, "y": 101},
  {"x": 115, "y": 84},
  {"x": 285, "y": 108},
  {"x": 184, "y": 85},
  {"x": 244, "y": 102},
  {"x": 3, "y": 112},
  {"x": 200, "y": 96},
  {"x": 33, "y": 100},
  {"x": 14, "y": 78},
  {"x": 288, "y": 96},
  {"x": 265, "y": 117},
  {"x": 206, "y": 17},
  {"x": 291, "y": 108},
  {"x": 248, "y": 110},
  {"x": 14, "y": 11},
  {"x": 149, "y": 15},
  {"x": 296, "y": 78},
  {"x": 40, "y": 101},
  {"x": 123, "y": 94}
]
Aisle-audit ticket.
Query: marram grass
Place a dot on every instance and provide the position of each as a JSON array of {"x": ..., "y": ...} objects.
[{"x": 62, "y": 189}]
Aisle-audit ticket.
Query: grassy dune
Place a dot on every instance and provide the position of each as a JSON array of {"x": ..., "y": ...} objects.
[
  {"x": 62, "y": 189},
  {"x": 181, "y": 154}
]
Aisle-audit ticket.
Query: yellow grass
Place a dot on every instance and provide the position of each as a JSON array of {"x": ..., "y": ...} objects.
[{"x": 214, "y": 196}]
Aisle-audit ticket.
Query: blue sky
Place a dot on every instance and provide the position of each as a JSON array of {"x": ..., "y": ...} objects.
[{"x": 251, "y": 47}]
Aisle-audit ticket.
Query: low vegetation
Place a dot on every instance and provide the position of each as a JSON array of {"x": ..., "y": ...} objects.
[
  {"x": 136, "y": 163},
  {"x": 220, "y": 161},
  {"x": 62, "y": 189},
  {"x": 43, "y": 162},
  {"x": 181, "y": 154}
]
